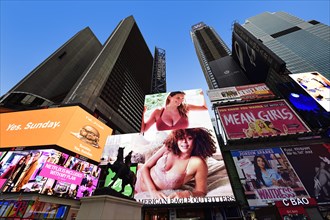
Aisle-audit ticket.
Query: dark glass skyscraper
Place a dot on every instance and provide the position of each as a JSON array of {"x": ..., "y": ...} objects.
[
  {"x": 219, "y": 69},
  {"x": 158, "y": 84},
  {"x": 110, "y": 80},
  {"x": 303, "y": 45}
]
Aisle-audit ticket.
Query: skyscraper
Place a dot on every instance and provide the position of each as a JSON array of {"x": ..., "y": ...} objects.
[
  {"x": 219, "y": 69},
  {"x": 110, "y": 80},
  {"x": 158, "y": 84},
  {"x": 285, "y": 34}
]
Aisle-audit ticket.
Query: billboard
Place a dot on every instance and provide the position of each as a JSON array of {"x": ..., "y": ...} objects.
[
  {"x": 49, "y": 172},
  {"x": 241, "y": 93},
  {"x": 173, "y": 179},
  {"x": 267, "y": 176},
  {"x": 32, "y": 209},
  {"x": 69, "y": 127},
  {"x": 316, "y": 85},
  {"x": 175, "y": 110},
  {"x": 315, "y": 175},
  {"x": 269, "y": 118}
]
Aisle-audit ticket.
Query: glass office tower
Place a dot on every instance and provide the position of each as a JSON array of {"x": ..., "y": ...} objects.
[{"x": 303, "y": 45}]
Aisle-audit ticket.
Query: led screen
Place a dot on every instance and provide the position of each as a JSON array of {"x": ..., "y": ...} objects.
[
  {"x": 315, "y": 175},
  {"x": 260, "y": 119},
  {"x": 267, "y": 176},
  {"x": 49, "y": 172},
  {"x": 69, "y": 127}
]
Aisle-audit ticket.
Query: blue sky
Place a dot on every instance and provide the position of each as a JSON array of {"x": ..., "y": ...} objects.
[{"x": 33, "y": 30}]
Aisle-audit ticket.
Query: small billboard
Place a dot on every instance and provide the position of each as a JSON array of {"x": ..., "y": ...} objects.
[
  {"x": 269, "y": 118},
  {"x": 267, "y": 176},
  {"x": 241, "y": 93},
  {"x": 316, "y": 85}
]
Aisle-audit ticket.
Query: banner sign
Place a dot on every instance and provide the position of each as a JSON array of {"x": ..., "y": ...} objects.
[
  {"x": 269, "y": 118},
  {"x": 267, "y": 176},
  {"x": 315, "y": 175},
  {"x": 69, "y": 127},
  {"x": 316, "y": 85},
  {"x": 240, "y": 93}
]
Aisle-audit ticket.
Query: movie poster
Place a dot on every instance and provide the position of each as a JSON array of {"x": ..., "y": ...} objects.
[
  {"x": 316, "y": 85},
  {"x": 314, "y": 174},
  {"x": 49, "y": 172},
  {"x": 141, "y": 149},
  {"x": 267, "y": 176},
  {"x": 269, "y": 118}
]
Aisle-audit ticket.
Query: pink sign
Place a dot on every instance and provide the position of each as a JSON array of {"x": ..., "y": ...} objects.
[
  {"x": 2, "y": 182},
  {"x": 60, "y": 173},
  {"x": 269, "y": 118}
]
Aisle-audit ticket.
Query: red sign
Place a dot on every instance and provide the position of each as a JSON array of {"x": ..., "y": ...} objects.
[{"x": 261, "y": 119}]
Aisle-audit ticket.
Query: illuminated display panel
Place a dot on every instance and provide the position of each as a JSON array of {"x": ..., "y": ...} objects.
[
  {"x": 267, "y": 176},
  {"x": 49, "y": 172},
  {"x": 269, "y": 118}
]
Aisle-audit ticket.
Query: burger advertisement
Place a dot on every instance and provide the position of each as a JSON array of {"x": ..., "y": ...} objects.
[{"x": 71, "y": 128}]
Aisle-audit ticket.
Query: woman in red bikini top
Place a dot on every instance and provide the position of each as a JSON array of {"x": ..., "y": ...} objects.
[
  {"x": 179, "y": 160},
  {"x": 173, "y": 115}
]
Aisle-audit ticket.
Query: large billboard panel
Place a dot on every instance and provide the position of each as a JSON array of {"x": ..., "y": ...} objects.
[
  {"x": 269, "y": 118},
  {"x": 175, "y": 110},
  {"x": 316, "y": 85},
  {"x": 48, "y": 171},
  {"x": 241, "y": 93},
  {"x": 169, "y": 170},
  {"x": 69, "y": 127},
  {"x": 267, "y": 176},
  {"x": 314, "y": 174}
]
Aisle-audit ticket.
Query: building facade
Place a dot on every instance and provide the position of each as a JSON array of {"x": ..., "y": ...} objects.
[
  {"x": 158, "y": 84},
  {"x": 268, "y": 49},
  {"x": 110, "y": 80}
]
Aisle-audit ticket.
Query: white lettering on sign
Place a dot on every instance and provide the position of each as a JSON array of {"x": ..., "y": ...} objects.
[{"x": 295, "y": 201}]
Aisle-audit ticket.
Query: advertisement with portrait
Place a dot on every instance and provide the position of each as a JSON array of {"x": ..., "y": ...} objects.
[
  {"x": 69, "y": 127},
  {"x": 183, "y": 165},
  {"x": 240, "y": 93},
  {"x": 267, "y": 176},
  {"x": 32, "y": 209},
  {"x": 269, "y": 118},
  {"x": 174, "y": 110},
  {"x": 49, "y": 172},
  {"x": 316, "y": 85},
  {"x": 315, "y": 175},
  {"x": 253, "y": 56}
]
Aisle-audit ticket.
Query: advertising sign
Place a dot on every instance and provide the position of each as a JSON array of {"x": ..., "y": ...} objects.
[
  {"x": 177, "y": 185},
  {"x": 175, "y": 110},
  {"x": 316, "y": 85},
  {"x": 267, "y": 176},
  {"x": 270, "y": 118},
  {"x": 30, "y": 209},
  {"x": 240, "y": 93},
  {"x": 49, "y": 172},
  {"x": 315, "y": 175},
  {"x": 69, "y": 127}
]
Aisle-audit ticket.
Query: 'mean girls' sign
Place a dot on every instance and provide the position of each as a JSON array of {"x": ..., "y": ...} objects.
[{"x": 269, "y": 118}]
